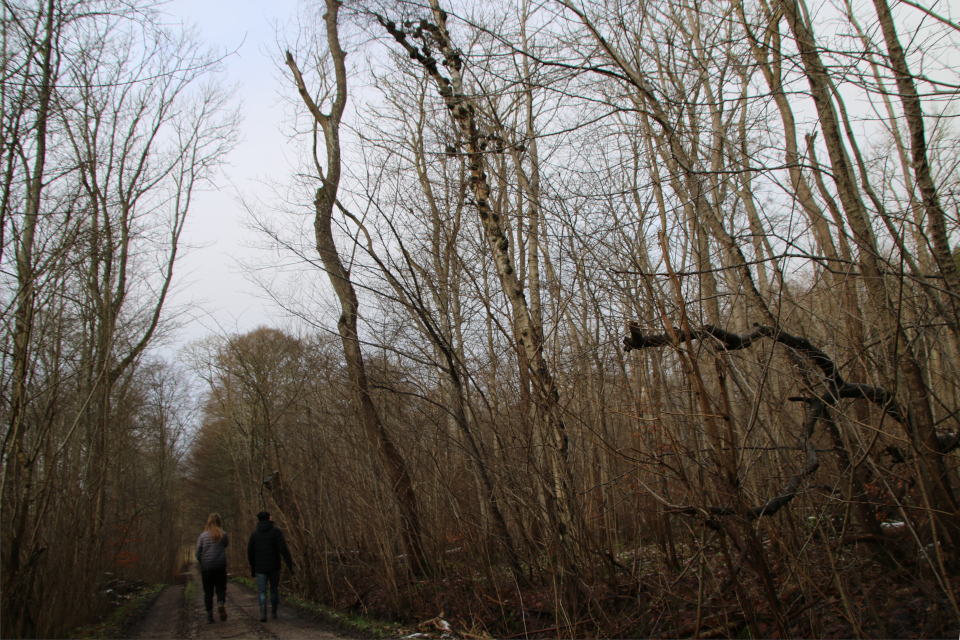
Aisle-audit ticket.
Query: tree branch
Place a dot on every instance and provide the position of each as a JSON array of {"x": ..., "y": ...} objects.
[{"x": 819, "y": 408}]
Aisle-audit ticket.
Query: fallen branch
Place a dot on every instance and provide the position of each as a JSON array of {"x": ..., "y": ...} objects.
[
  {"x": 818, "y": 408},
  {"x": 818, "y": 411},
  {"x": 837, "y": 387}
]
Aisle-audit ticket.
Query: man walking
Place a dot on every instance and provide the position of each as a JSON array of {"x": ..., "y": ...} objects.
[{"x": 264, "y": 551}]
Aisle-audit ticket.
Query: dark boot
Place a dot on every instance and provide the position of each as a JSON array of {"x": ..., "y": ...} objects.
[
  {"x": 223, "y": 610},
  {"x": 274, "y": 611},
  {"x": 210, "y": 616},
  {"x": 263, "y": 613}
]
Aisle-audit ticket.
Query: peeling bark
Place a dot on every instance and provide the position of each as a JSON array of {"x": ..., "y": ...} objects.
[{"x": 546, "y": 397}]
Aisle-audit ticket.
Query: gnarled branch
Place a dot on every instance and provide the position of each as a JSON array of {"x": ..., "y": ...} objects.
[{"x": 818, "y": 408}]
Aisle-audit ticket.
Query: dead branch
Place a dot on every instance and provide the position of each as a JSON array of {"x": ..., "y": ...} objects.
[{"x": 818, "y": 408}]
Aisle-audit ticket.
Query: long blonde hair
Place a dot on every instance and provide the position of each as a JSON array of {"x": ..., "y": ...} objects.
[{"x": 215, "y": 527}]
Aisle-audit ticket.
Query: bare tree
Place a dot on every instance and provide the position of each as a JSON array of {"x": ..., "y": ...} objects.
[
  {"x": 547, "y": 411},
  {"x": 678, "y": 167},
  {"x": 325, "y": 203},
  {"x": 109, "y": 133}
]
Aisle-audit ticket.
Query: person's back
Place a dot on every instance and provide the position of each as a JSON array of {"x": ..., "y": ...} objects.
[
  {"x": 210, "y": 552},
  {"x": 213, "y": 564},
  {"x": 265, "y": 550}
]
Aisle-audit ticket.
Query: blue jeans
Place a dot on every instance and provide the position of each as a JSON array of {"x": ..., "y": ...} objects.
[{"x": 274, "y": 578}]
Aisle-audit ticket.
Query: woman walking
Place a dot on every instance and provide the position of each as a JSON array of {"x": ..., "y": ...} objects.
[{"x": 213, "y": 564}]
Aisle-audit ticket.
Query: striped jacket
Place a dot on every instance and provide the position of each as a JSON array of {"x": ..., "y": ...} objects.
[{"x": 210, "y": 554}]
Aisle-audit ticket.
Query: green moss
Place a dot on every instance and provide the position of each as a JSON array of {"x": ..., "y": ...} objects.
[
  {"x": 361, "y": 626},
  {"x": 122, "y": 617},
  {"x": 189, "y": 592},
  {"x": 249, "y": 583}
]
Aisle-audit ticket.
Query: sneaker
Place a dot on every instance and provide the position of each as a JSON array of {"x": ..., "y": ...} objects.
[
  {"x": 223, "y": 611},
  {"x": 209, "y": 616}
]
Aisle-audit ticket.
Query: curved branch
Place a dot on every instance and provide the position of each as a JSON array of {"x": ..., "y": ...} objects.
[
  {"x": 838, "y": 388},
  {"x": 818, "y": 411},
  {"x": 819, "y": 408}
]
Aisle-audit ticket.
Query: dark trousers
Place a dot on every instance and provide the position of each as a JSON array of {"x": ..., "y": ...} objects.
[
  {"x": 213, "y": 579},
  {"x": 274, "y": 578}
]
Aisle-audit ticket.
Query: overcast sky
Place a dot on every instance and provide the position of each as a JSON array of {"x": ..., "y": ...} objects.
[{"x": 209, "y": 274}]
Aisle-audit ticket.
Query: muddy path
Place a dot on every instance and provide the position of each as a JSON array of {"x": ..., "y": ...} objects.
[{"x": 173, "y": 617}]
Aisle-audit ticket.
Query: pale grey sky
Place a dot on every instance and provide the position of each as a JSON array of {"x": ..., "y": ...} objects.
[{"x": 209, "y": 274}]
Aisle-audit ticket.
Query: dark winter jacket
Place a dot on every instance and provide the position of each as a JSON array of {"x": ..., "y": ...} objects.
[
  {"x": 210, "y": 554},
  {"x": 266, "y": 547}
]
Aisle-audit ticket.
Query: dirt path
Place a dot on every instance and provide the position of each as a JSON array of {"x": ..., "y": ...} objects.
[
  {"x": 165, "y": 617},
  {"x": 171, "y": 617}
]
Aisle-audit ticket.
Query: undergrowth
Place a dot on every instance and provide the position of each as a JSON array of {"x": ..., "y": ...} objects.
[
  {"x": 864, "y": 595},
  {"x": 122, "y": 618}
]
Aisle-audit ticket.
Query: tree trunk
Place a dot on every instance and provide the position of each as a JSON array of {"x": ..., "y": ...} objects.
[
  {"x": 546, "y": 398},
  {"x": 920, "y": 427},
  {"x": 324, "y": 203},
  {"x": 19, "y": 463}
]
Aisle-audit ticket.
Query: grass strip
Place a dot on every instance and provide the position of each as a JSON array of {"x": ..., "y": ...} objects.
[
  {"x": 189, "y": 591},
  {"x": 122, "y": 618}
]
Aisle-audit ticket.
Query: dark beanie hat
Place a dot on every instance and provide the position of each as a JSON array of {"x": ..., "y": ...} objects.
[{"x": 263, "y": 515}]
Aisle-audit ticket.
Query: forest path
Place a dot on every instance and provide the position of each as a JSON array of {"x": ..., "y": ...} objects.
[{"x": 172, "y": 617}]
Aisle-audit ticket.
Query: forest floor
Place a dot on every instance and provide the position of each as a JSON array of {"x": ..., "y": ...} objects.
[
  {"x": 178, "y": 612},
  {"x": 886, "y": 605}
]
